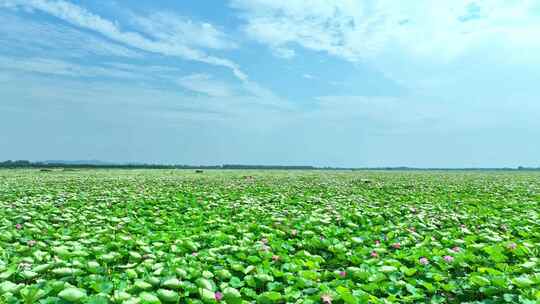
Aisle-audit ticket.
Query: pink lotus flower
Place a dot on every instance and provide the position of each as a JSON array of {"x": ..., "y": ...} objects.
[
  {"x": 456, "y": 249},
  {"x": 448, "y": 258},
  {"x": 326, "y": 299},
  {"x": 31, "y": 243},
  {"x": 423, "y": 261},
  {"x": 342, "y": 274},
  {"x": 275, "y": 258},
  {"x": 512, "y": 246},
  {"x": 374, "y": 254},
  {"x": 377, "y": 242},
  {"x": 264, "y": 241},
  {"x": 19, "y": 226},
  {"x": 218, "y": 296},
  {"x": 194, "y": 254},
  {"x": 462, "y": 226},
  {"x": 396, "y": 245}
]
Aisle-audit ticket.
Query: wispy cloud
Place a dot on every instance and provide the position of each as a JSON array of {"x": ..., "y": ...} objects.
[
  {"x": 181, "y": 30},
  {"x": 47, "y": 66},
  {"x": 215, "y": 102},
  {"x": 146, "y": 69},
  {"x": 205, "y": 84},
  {"x": 318, "y": 25},
  {"x": 83, "y": 18},
  {"x": 19, "y": 35},
  {"x": 284, "y": 52},
  {"x": 426, "y": 47},
  {"x": 356, "y": 29}
]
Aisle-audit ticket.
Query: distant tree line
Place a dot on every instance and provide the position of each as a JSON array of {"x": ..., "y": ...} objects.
[
  {"x": 28, "y": 164},
  {"x": 14, "y": 164}
]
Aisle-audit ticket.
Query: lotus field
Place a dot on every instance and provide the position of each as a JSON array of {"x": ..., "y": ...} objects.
[{"x": 173, "y": 236}]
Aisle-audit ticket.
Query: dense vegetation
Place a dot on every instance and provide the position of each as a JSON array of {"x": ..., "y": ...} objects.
[{"x": 173, "y": 236}]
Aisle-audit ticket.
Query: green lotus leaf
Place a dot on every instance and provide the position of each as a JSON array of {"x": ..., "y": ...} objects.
[{"x": 72, "y": 294}]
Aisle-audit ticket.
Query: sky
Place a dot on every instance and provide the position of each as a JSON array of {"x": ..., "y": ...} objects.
[{"x": 349, "y": 83}]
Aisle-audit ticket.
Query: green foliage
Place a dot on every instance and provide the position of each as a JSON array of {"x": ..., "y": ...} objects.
[{"x": 172, "y": 236}]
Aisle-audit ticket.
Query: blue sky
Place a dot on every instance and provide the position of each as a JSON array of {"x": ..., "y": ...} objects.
[{"x": 337, "y": 83}]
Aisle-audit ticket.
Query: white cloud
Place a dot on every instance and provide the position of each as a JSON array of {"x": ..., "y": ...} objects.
[
  {"x": 256, "y": 94},
  {"x": 22, "y": 34},
  {"x": 63, "y": 68},
  {"x": 284, "y": 53},
  {"x": 318, "y": 25},
  {"x": 205, "y": 84},
  {"x": 359, "y": 29},
  {"x": 431, "y": 48},
  {"x": 144, "y": 69},
  {"x": 81, "y": 17},
  {"x": 166, "y": 105},
  {"x": 308, "y": 76},
  {"x": 181, "y": 30},
  {"x": 140, "y": 75}
]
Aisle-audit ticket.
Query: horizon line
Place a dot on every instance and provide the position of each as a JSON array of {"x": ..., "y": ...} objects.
[{"x": 110, "y": 164}]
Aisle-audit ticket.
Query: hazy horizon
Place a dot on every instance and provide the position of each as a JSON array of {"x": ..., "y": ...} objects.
[
  {"x": 105, "y": 163},
  {"x": 351, "y": 83}
]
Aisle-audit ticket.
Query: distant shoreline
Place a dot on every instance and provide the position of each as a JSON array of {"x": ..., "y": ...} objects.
[{"x": 21, "y": 164}]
